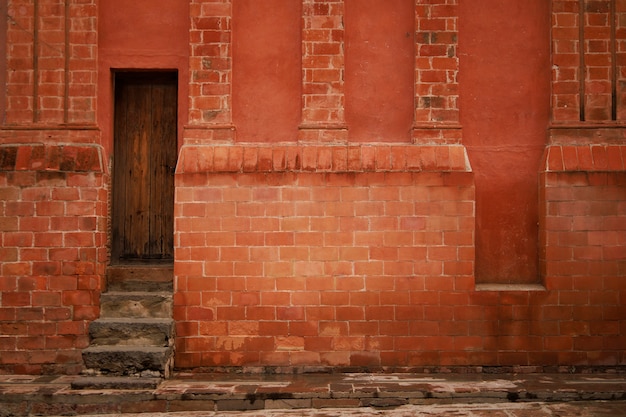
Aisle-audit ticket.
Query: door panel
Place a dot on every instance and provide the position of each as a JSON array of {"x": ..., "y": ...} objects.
[{"x": 144, "y": 160}]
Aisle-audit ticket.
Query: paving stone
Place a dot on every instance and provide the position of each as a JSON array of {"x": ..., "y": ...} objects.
[
  {"x": 9, "y": 409},
  {"x": 288, "y": 403},
  {"x": 239, "y": 405},
  {"x": 384, "y": 402},
  {"x": 152, "y": 406},
  {"x": 335, "y": 402},
  {"x": 198, "y": 405},
  {"x": 355, "y": 395}
]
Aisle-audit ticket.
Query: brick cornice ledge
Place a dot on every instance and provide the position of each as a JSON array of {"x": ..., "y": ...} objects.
[
  {"x": 590, "y": 157},
  {"x": 69, "y": 157},
  {"x": 322, "y": 158}
]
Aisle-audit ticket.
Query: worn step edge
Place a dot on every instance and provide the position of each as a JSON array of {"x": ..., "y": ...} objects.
[
  {"x": 140, "y": 285},
  {"x": 128, "y": 360},
  {"x": 136, "y": 305},
  {"x": 132, "y": 331},
  {"x": 140, "y": 277}
]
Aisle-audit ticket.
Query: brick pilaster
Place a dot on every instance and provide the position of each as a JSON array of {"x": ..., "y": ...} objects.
[
  {"x": 52, "y": 53},
  {"x": 598, "y": 50},
  {"x": 323, "y": 63},
  {"x": 436, "y": 72},
  {"x": 587, "y": 57},
  {"x": 210, "y": 102}
]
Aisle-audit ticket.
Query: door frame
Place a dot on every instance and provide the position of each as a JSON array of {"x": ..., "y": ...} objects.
[{"x": 115, "y": 235}]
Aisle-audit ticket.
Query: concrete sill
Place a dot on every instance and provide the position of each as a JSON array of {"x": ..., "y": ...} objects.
[{"x": 510, "y": 287}]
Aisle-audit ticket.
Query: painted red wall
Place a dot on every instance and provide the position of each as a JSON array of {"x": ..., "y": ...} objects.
[
  {"x": 137, "y": 35},
  {"x": 266, "y": 70},
  {"x": 505, "y": 97},
  {"x": 379, "y": 70}
]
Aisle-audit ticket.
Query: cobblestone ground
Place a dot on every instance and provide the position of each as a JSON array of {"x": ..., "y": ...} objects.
[{"x": 572, "y": 409}]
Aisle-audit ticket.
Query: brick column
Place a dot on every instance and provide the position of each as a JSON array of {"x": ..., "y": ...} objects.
[
  {"x": 53, "y": 59},
  {"x": 323, "y": 100},
  {"x": 3, "y": 59},
  {"x": 598, "y": 58},
  {"x": 620, "y": 51},
  {"x": 567, "y": 73},
  {"x": 436, "y": 72},
  {"x": 587, "y": 59},
  {"x": 210, "y": 102}
]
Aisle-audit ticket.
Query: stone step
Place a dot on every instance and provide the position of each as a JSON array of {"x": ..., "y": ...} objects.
[
  {"x": 136, "y": 305},
  {"x": 129, "y": 360},
  {"x": 140, "y": 278},
  {"x": 132, "y": 332}
]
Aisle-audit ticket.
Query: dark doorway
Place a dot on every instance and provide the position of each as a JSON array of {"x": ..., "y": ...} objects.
[{"x": 145, "y": 150}]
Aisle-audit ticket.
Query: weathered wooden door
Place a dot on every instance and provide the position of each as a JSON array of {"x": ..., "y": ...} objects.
[{"x": 144, "y": 161}]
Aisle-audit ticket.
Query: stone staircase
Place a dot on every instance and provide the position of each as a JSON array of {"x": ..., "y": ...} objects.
[{"x": 134, "y": 336}]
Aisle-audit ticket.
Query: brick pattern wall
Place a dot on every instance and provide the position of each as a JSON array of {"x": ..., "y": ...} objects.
[
  {"x": 582, "y": 203},
  {"x": 53, "y": 198},
  {"x": 436, "y": 72},
  {"x": 52, "y": 56},
  {"x": 52, "y": 251},
  {"x": 588, "y": 51},
  {"x": 315, "y": 255},
  {"x": 210, "y": 62},
  {"x": 583, "y": 236},
  {"x": 437, "y": 62},
  {"x": 323, "y": 71}
]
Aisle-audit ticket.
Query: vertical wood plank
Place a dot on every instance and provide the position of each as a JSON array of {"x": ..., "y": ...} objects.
[{"x": 145, "y": 156}]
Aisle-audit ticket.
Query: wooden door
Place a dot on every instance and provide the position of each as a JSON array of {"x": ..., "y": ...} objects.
[{"x": 144, "y": 161}]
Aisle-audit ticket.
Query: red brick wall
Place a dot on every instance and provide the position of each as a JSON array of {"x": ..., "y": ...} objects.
[
  {"x": 345, "y": 258},
  {"x": 53, "y": 199},
  {"x": 583, "y": 240},
  {"x": 588, "y": 47},
  {"x": 334, "y": 245},
  {"x": 53, "y": 68},
  {"x": 320, "y": 255},
  {"x": 53, "y": 249}
]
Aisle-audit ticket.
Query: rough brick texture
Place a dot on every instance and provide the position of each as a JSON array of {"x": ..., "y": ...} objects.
[
  {"x": 588, "y": 57},
  {"x": 53, "y": 245},
  {"x": 583, "y": 236},
  {"x": 210, "y": 62},
  {"x": 322, "y": 68},
  {"x": 436, "y": 61},
  {"x": 53, "y": 61},
  {"x": 436, "y": 72},
  {"x": 319, "y": 255}
]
